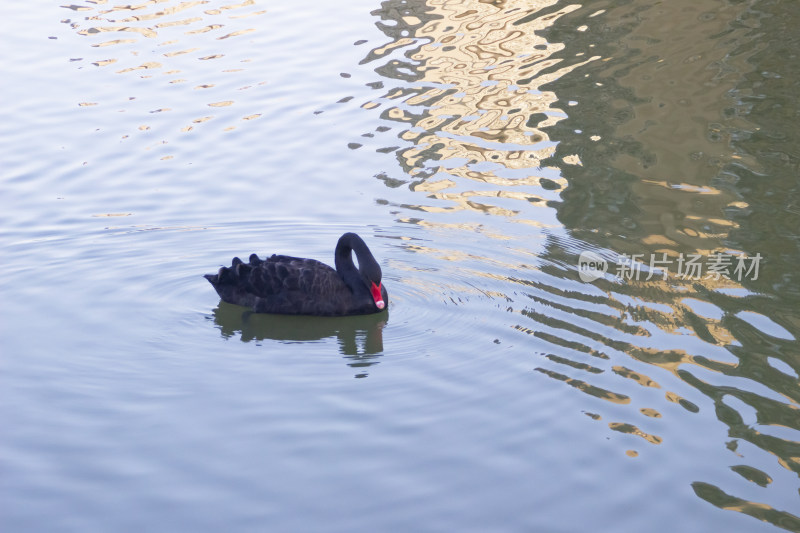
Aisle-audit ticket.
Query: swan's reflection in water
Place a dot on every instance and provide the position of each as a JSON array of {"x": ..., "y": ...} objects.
[{"x": 360, "y": 338}]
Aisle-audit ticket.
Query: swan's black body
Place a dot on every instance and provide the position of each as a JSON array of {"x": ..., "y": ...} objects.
[{"x": 294, "y": 286}]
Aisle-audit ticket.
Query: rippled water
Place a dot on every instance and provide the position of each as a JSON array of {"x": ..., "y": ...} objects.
[{"x": 483, "y": 150}]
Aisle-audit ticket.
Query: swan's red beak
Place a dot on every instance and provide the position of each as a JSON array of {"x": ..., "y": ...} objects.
[{"x": 377, "y": 296}]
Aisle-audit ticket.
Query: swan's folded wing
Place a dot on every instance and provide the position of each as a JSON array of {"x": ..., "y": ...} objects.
[{"x": 285, "y": 285}]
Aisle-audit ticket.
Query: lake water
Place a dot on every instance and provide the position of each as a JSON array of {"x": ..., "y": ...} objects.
[{"x": 588, "y": 220}]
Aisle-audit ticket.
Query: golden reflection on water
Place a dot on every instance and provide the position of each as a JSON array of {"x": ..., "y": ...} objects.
[
  {"x": 136, "y": 28},
  {"x": 464, "y": 60},
  {"x": 633, "y": 430},
  {"x": 588, "y": 388},
  {"x": 761, "y": 511}
]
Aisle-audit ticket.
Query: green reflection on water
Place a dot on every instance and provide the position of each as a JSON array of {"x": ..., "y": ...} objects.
[{"x": 360, "y": 338}]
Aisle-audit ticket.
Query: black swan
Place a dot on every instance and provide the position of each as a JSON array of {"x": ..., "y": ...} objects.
[{"x": 294, "y": 286}]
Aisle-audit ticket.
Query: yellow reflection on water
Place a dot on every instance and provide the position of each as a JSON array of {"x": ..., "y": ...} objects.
[
  {"x": 761, "y": 511},
  {"x": 633, "y": 430},
  {"x": 468, "y": 102},
  {"x": 136, "y": 25},
  {"x": 583, "y": 386},
  {"x": 641, "y": 379}
]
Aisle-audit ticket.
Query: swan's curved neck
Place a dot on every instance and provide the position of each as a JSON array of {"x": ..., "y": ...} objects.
[
  {"x": 349, "y": 243},
  {"x": 367, "y": 266}
]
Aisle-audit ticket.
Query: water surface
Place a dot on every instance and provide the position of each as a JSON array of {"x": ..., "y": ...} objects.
[{"x": 480, "y": 149}]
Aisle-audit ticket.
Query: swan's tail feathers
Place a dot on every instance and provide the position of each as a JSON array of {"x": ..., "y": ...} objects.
[
  {"x": 232, "y": 274},
  {"x": 224, "y": 275},
  {"x": 230, "y": 278},
  {"x": 227, "y": 282}
]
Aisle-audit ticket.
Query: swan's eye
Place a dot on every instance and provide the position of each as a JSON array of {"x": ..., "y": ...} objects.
[{"x": 377, "y": 296}]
